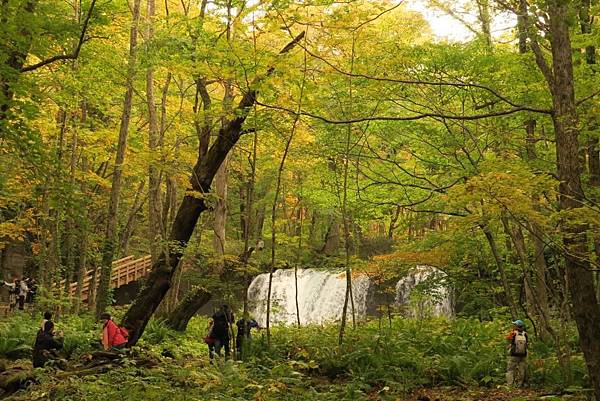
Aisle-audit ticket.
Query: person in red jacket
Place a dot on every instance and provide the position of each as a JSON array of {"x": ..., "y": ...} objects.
[{"x": 113, "y": 336}]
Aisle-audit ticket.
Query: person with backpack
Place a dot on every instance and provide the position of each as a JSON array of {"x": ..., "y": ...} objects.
[
  {"x": 517, "y": 360},
  {"x": 22, "y": 294},
  {"x": 244, "y": 326},
  {"x": 114, "y": 338},
  {"x": 47, "y": 342},
  {"x": 13, "y": 291},
  {"x": 219, "y": 332},
  {"x": 31, "y": 294}
]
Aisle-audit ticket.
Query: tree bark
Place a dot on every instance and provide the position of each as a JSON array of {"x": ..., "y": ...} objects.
[
  {"x": 559, "y": 77},
  {"x": 16, "y": 53},
  {"x": 193, "y": 301},
  {"x": 136, "y": 208},
  {"x": 110, "y": 240},
  {"x": 220, "y": 212},
  {"x": 196, "y": 299},
  {"x": 345, "y": 218},
  {"x": 154, "y": 202},
  {"x": 500, "y": 265},
  {"x": 593, "y": 148},
  {"x": 159, "y": 278},
  {"x": 332, "y": 237}
]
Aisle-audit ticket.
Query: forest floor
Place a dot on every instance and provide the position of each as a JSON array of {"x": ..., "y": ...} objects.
[{"x": 445, "y": 360}]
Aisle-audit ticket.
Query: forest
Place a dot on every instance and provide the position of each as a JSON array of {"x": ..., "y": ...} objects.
[{"x": 378, "y": 204}]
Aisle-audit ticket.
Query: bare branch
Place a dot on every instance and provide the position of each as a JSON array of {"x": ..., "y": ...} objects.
[
  {"x": 400, "y": 118},
  {"x": 428, "y": 83},
  {"x": 71, "y": 56}
]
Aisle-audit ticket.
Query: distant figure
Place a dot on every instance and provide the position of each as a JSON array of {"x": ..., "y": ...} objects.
[
  {"x": 221, "y": 321},
  {"x": 31, "y": 294},
  {"x": 244, "y": 326},
  {"x": 13, "y": 292},
  {"x": 517, "y": 360},
  {"x": 23, "y": 290},
  {"x": 209, "y": 339},
  {"x": 114, "y": 338},
  {"x": 47, "y": 342}
]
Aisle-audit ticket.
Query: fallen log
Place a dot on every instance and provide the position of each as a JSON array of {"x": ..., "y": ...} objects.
[{"x": 14, "y": 379}]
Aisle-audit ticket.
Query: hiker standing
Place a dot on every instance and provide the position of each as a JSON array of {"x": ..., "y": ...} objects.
[
  {"x": 517, "y": 360},
  {"x": 113, "y": 337},
  {"x": 22, "y": 294},
  {"x": 47, "y": 342},
  {"x": 31, "y": 293},
  {"x": 244, "y": 326},
  {"x": 12, "y": 296},
  {"x": 221, "y": 321}
]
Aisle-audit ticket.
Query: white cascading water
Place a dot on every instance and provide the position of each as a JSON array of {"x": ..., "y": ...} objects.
[
  {"x": 433, "y": 300},
  {"x": 320, "y": 296}
]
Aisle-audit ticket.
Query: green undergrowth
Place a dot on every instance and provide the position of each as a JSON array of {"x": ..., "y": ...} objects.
[{"x": 374, "y": 363}]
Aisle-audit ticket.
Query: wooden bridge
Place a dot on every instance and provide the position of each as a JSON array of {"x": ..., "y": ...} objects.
[{"x": 124, "y": 271}]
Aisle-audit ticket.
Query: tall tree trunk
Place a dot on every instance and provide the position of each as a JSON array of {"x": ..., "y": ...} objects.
[
  {"x": 81, "y": 265},
  {"x": 537, "y": 235},
  {"x": 559, "y": 77},
  {"x": 273, "y": 215},
  {"x": 485, "y": 21},
  {"x": 332, "y": 237},
  {"x": 111, "y": 235},
  {"x": 593, "y": 146},
  {"x": 489, "y": 236},
  {"x": 298, "y": 256},
  {"x": 394, "y": 222},
  {"x": 136, "y": 208},
  {"x": 16, "y": 52},
  {"x": 276, "y": 199},
  {"x": 345, "y": 218},
  {"x": 154, "y": 203},
  {"x": 220, "y": 212},
  {"x": 159, "y": 279},
  {"x": 71, "y": 223}
]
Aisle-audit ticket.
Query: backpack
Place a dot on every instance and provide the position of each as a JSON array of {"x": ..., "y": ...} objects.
[{"x": 519, "y": 344}]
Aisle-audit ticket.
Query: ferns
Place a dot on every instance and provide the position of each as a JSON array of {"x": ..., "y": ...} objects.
[{"x": 303, "y": 364}]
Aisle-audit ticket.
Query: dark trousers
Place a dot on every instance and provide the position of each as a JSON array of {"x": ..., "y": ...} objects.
[
  {"x": 215, "y": 348},
  {"x": 21, "y": 301}
]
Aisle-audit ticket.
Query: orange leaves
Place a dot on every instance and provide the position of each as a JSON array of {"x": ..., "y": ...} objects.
[{"x": 433, "y": 257}]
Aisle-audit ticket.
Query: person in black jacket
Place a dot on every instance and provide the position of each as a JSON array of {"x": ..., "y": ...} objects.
[
  {"x": 244, "y": 326},
  {"x": 46, "y": 342},
  {"x": 221, "y": 322}
]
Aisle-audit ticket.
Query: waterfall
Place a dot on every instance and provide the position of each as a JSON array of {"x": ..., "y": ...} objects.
[
  {"x": 320, "y": 296},
  {"x": 432, "y": 297}
]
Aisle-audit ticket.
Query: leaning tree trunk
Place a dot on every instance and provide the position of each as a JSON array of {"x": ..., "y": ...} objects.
[
  {"x": 180, "y": 317},
  {"x": 196, "y": 299},
  {"x": 110, "y": 240},
  {"x": 159, "y": 278}
]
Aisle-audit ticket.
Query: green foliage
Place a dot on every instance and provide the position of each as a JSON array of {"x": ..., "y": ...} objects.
[{"x": 303, "y": 363}]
